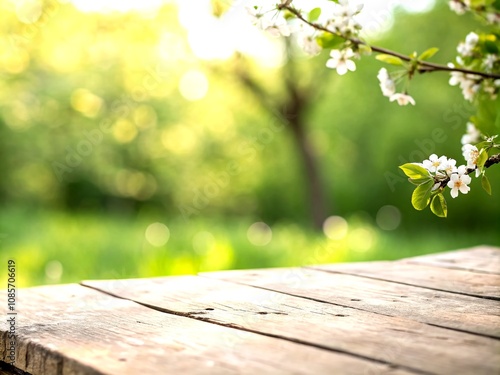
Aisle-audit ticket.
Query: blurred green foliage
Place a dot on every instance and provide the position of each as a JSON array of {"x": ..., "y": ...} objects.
[{"x": 109, "y": 123}]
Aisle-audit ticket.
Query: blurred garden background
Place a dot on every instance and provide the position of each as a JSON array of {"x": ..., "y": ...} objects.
[{"x": 152, "y": 137}]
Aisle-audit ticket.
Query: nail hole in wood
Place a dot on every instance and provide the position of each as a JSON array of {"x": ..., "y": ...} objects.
[{"x": 209, "y": 309}]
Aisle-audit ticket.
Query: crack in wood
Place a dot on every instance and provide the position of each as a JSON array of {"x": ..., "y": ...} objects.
[
  {"x": 357, "y": 300},
  {"x": 403, "y": 283},
  {"x": 276, "y": 336}
]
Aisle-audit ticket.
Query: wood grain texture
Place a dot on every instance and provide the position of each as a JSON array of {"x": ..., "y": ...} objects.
[
  {"x": 73, "y": 330},
  {"x": 450, "y": 280},
  {"x": 400, "y": 341},
  {"x": 478, "y": 259},
  {"x": 455, "y": 311}
]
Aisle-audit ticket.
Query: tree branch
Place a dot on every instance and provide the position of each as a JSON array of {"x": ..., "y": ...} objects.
[
  {"x": 494, "y": 159},
  {"x": 423, "y": 66}
]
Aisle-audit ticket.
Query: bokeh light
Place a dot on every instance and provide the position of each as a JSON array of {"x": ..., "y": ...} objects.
[
  {"x": 193, "y": 85},
  {"x": 388, "y": 217},
  {"x": 54, "y": 271},
  {"x": 361, "y": 239},
  {"x": 259, "y": 234},
  {"x": 335, "y": 227},
  {"x": 157, "y": 234}
]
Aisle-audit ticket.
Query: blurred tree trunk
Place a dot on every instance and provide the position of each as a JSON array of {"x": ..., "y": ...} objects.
[
  {"x": 293, "y": 109},
  {"x": 316, "y": 198}
]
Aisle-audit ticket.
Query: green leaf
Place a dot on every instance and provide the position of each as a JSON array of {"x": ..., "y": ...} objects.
[
  {"x": 428, "y": 54},
  {"x": 487, "y": 119},
  {"x": 415, "y": 171},
  {"x": 314, "y": 14},
  {"x": 485, "y": 183},
  {"x": 420, "y": 181},
  {"x": 422, "y": 195},
  {"x": 481, "y": 159},
  {"x": 365, "y": 49},
  {"x": 329, "y": 41},
  {"x": 439, "y": 206},
  {"x": 393, "y": 60},
  {"x": 490, "y": 47}
]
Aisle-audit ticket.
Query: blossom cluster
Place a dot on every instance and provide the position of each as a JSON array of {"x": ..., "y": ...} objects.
[
  {"x": 470, "y": 54},
  {"x": 266, "y": 16},
  {"x": 340, "y": 20},
  {"x": 490, "y": 13},
  {"x": 388, "y": 87},
  {"x": 343, "y": 21},
  {"x": 443, "y": 168},
  {"x": 334, "y": 27}
]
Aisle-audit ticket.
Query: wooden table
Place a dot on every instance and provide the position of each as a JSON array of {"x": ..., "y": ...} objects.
[{"x": 437, "y": 314}]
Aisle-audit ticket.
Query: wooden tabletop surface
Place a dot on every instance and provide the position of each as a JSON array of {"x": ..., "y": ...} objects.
[{"x": 434, "y": 314}]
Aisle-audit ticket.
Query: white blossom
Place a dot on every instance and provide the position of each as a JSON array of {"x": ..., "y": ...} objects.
[
  {"x": 436, "y": 186},
  {"x": 345, "y": 10},
  {"x": 493, "y": 18},
  {"x": 309, "y": 45},
  {"x": 469, "y": 83},
  {"x": 450, "y": 166},
  {"x": 342, "y": 20},
  {"x": 473, "y": 135},
  {"x": 457, "y": 6},
  {"x": 402, "y": 99},
  {"x": 435, "y": 164},
  {"x": 340, "y": 60},
  {"x": 387, "y": 85},
  {"x": 491, "y": 88},
  {"x": 489, "y": 61},
  {"x": 471, "y": 154},
  {"x": 266, "y": 17},
  {"x": 466, "y": 48},
  {"x": 307, "y": 40},
  {"x": 470, "y": 89},
  {"x": 459, "y": 182}
]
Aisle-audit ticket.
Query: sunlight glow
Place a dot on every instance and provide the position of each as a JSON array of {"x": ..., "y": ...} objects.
[
  {"x": 106, "y": 6},
  {"x": 219, "y": 38},
  {"x": 193, "y": 85}
]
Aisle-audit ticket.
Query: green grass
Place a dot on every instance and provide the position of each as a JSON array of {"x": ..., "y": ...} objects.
[{"x": 94, "y": 246}]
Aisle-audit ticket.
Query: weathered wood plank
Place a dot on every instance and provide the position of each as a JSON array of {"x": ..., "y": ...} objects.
[
  {"x": 395, "y": 340},
  {"x": 74, "y": 330},
  {"x": 450, "y": 280},
  {"x": 478, "y": 259},
  {"x": 455, "y": 311}
]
